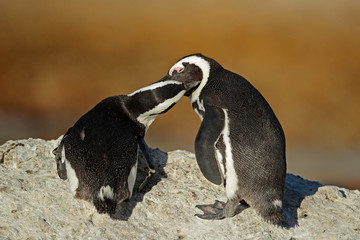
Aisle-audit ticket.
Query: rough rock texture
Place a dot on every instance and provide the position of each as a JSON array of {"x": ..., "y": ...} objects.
[{"x": 36, "y": 204}]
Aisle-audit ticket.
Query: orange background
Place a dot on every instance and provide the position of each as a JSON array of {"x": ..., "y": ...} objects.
[{"x": 58, "y": 59}]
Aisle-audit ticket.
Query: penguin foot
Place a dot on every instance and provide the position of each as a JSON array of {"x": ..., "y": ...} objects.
[
  {"x": 212, "y": 211},
  {"x": 145, "y": 182},
  {"x": 220, "y": 210}
]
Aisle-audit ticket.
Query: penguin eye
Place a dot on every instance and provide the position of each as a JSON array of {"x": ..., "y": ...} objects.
[{"x": 180, "y": 70}]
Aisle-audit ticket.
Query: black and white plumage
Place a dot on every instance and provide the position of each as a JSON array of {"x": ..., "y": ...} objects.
[
  {"x": 99, "y": 154},
  {"x": 240, "y": 142}
]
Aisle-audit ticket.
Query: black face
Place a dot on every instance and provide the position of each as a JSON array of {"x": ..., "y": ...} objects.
[{"x": 189, "y": 74}]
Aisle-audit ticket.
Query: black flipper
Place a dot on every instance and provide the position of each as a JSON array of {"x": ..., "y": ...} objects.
[
  {"x": 60, "y": 165},
  {"x": 209, "y": 132}
]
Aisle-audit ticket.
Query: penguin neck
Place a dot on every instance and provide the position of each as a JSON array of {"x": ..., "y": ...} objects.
[
  {"x": 148, "y": 117},
  {"x": 196, "y": 102},
  {"x": 205, "y": 67},
  {"x": 198, "y": 107},
  {"x": 148, "y": 102}
]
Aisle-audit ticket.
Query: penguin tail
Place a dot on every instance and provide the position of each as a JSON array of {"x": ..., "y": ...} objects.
[
  {"x": 105, "y": 200},
  {"x": 275, "y": 218},
  {"x": 272, "y": 212}
]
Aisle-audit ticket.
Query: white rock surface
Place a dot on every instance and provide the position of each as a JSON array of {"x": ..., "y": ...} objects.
[{"x": 36, "y": 204}]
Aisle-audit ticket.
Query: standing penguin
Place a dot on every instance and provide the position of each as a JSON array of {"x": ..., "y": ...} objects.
[
  {"x": 99, "y": 154},
  {"x": 240, "y": 142}
]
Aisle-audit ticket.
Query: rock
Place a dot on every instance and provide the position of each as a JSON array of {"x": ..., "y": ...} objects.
[{"x": 37, "y": 204}]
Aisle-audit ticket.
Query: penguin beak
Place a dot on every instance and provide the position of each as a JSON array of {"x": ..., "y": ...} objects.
[{"x": 189, "y": 87}]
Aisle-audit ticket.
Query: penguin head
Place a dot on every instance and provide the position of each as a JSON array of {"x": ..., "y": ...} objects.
[
  {"x": 195, "y": 67},
  {"x": 188, "y": 74}
]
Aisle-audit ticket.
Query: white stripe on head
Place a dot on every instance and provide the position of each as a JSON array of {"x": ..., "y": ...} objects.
[
  {"x": 231, "y": 176},
  {"x": 148, "y": 117},
  {"x": 205, "y": 68},
  {"x": 154, "y": 86}
]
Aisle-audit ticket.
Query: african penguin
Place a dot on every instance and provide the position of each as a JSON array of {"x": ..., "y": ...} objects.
[
  {"x": 99, "y": 154},
  {"x": 240, "y": 143}
]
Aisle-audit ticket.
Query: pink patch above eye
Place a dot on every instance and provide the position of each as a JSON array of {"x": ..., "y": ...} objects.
[{"x": 177, "y": 69}]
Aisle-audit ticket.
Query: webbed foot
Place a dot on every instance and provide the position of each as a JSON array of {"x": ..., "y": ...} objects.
[
  {"x": 212, "y": 211},
  {"x": 220, "y": 210}
]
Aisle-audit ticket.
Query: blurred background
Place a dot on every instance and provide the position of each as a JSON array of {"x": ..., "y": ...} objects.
[{"x": 59, "y": 58}]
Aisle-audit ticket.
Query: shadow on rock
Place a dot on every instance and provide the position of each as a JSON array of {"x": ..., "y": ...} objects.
[
  {"x": 124, "y": 210},
  {"x": 296, "y": 189}
]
